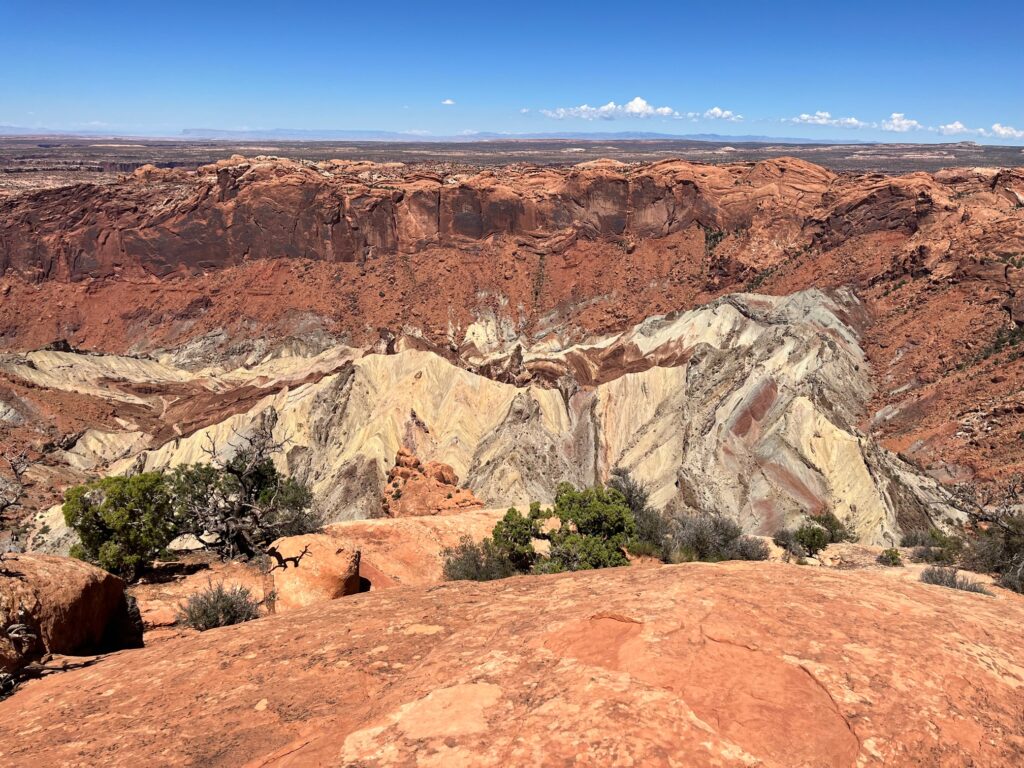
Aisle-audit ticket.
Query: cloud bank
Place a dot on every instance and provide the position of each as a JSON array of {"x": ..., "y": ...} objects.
[{"x": 637, "y": 107}]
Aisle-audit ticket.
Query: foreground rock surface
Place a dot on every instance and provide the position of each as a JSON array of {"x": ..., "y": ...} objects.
[{"x": 729, "y": 664}]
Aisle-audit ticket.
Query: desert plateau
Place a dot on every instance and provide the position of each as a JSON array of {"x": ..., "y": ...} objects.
[{"x": 535, "y": 427}]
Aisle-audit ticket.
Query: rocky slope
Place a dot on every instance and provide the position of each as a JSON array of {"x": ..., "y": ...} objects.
[
  {"x": 729, "y": 664},
  {"x": 748, "y": 407}
]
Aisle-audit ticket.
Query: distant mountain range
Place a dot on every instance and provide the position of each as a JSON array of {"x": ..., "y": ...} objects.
[
  {"x": 296, "y": 134},
  {"x": 292, "y": 134}
]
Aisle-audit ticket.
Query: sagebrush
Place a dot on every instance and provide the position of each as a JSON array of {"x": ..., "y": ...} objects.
[
  {"x": 218, "y": 606},
  {"x": 949, "y": 577}
]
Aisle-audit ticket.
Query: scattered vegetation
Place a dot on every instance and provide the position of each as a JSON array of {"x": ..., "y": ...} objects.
[
  {"x": 712, "y": 538},
  {"x": 712, "y": 239},
  {"x": 917, "y": 537},
  {"x": 218, "y": 606},
  {"x": 837, "y": 531},
  {"x": 1005, "y": 338},
  {"x": 596, "y": 527},
  {"x": 997, "y": 546},
  {"x": 891, "y": 557},
  {"x": 940, "y": 547},
  {"x": 786, "y": 539},
  {"x": 469, "y": 561},
  {"x": 949, "y": 577},
  {"x": 235, "y": 507},
  {"x": 12, "y": 482},
  {"x": 651, "y": 525},
  {"x": 812, "y": 537}
]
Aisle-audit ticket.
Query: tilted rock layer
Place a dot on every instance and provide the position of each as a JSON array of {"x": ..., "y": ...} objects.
[
  {"x": 699, "y": 665},
  {"x": 746, "y": 407}
]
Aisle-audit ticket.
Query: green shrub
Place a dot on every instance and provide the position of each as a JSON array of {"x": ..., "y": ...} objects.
[
  {"x": 218, "y": 606},
  {"x": 943, "y": 548},
  {"x": 651, "y": 526},
  {"x": 236, "y": 508},
  {"x": 1013, "y": 577},
  {"x": 245, "y": 504},
  {"x": 595, "y": 525},
  {"x": 599, "y": 511},
  {"x": 123, "y": 523},
  {"x": 812, "y": 537},
  {"x": 579, "y": 552},
  {"x": 948, "y": 577},
  {"x": 641, "y": 548},
  {"x": 750, "y": 548},
  {"x": 786, "y": 539},
  {"x": 891, "y": 557},
  {"x": 998, "y": 549},
  {"x": 712, "y": 538},
  {"x": 997, "y": 524},
  {"x": 513, "y": 537},
  {"x": 837, "y": 531},
  {"x": 469, "y": 561}
]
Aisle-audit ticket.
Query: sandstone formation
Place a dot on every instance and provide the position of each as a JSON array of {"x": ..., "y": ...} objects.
[
  {"x": 699, "y": 665},
  {"x": 158, "y": 222},
  {"x": 407, "y": 550},
  {"x": 414, "y": 488},
  {"x": 64, "y": 607},
  {"x": 312, "y": 569}
]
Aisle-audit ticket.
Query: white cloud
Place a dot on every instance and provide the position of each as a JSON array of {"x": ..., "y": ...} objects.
[
  {"x": 900, "y": 123},
  {"x": 1006, "y": 131},
  {"x": 637, "y": 107},
  {"x": 448, "y": 102},
  {"x": 956, "y": 128},
  {"x": 524, "y": 111},
  {"x": 717, "y": 113},
  {"x": 952, "y": 129},
  {"x": 825, "y": 118}
]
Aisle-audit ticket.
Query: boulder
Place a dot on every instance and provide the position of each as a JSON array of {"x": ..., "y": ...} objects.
[
  {"x": 407, "y": 550},
  {"x": 66, "y": 607},
  {"x": 311, "y": 569}
]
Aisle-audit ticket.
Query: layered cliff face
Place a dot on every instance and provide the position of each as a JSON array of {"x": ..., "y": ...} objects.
[
  {"x": 284, "y": 272},
  {"x": 158, "y": 222},
  {"x": 746, "y": 407}
]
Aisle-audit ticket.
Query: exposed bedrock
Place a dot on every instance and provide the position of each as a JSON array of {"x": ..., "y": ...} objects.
[{"x": 747, "y": 407}]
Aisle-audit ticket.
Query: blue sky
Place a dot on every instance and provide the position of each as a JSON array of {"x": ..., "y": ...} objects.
[{"x": 896, "y": 71}]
